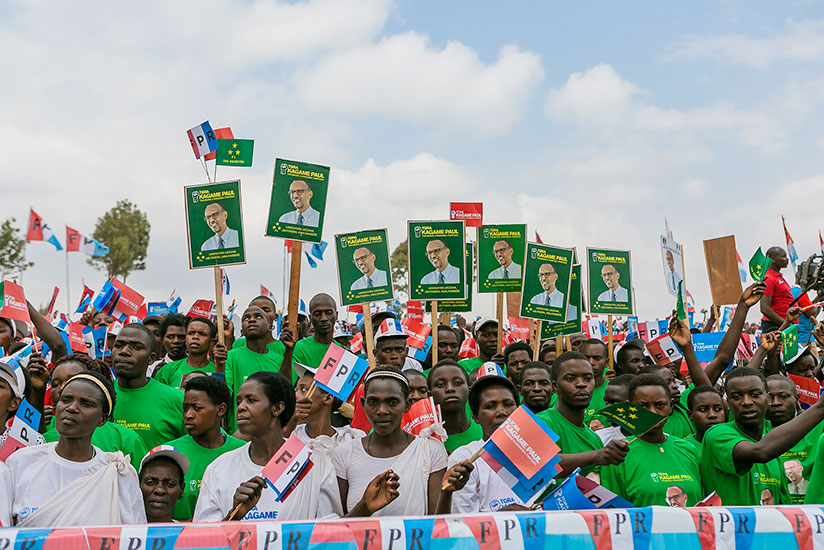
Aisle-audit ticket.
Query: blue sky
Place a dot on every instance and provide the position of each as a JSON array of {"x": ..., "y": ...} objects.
[{"x": 589, "y": 121}]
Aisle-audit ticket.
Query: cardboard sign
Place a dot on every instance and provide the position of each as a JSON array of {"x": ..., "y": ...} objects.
[
  {"x": 472, "y": 213},
  {"x": 214, "y": 224},
  {"x": 573, "y": 321},
  {"x": 722, "y": 270},
  {"x": 609, "y": 275},
  {"x": 706, "y": 345},
  {"x": 547, "y": 282},
  {"x": 298, "y": 202},
  {"x": 501, "y": 254},
  {"x": 364, "y": 271},
  {"x": 458, "y": 306},
  {"x": 436, "y": 271},
  {"x": 673, "y": 261}
]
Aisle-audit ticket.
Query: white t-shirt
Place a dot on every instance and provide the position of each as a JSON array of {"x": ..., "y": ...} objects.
[
  {"x": 485, "y": 491},
  {"x": 6, "y": 496},
  {"x": 38, "y": 473},
  {"x": 342, "y": 434},
  {"x": 227, "y": 472},
  {"x": 414, "y": 465}
]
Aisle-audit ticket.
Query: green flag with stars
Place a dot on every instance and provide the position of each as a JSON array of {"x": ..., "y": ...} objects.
[
  {"x": 680, "y": 310},
  {"x": 633, "y": 418},
  {"x": 759, "y": 264},
  {"x": 235, "y": 152},
  {"x": 789, "y": 343}
]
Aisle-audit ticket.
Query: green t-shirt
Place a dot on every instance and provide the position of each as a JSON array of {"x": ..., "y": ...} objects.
[
  {"x": 596, "y": 403},
  {"x": 679, "y": 424},
  {"x": 738, "y": 487},
  {"x": 154, "y": 412},
  {"x": 309, "y": 352},
  {"x": 110, "y": 437},
  {"x": 276, "y": 346},
  {"x": 242, "y": 363},
  {"x": 804, "y": 450},
  {"x": 199, "y": 458},
  {"x": 646, "y": 473},
  {"x": 472, "y": 433},
  {"x": 815, "y": 489},
  {"x": 471, "y": 364},
  {"x": 172, "y": 373},
  {"x": 695, "y": 443},
  {"x": 572, "y": 439}
]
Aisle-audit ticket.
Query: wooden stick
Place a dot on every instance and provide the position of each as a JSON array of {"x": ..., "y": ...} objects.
[
  {"x": 475, "y": 456},
  {"x": 369, "y": 341},
  {"x": 500, "y": 315},
  {"x": 444, "y": 319},
  {"x": 567, "y": 342},
  {"x": 234, "y": 512},
  {"x": 536, "y": 344},
  {"x": 717, "y": 318},
  {"x": 219, "y": 303},
  {"x": 610, "y": 344},
  {"x": 311, "y": 389},
  {"x": 559, "y": 344},
  {"x": 434, "y": 317},
  {"x": 294, "y": 287}
]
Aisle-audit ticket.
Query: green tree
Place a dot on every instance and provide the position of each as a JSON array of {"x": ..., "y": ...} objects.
[
  {"x": 125, "y": 230},
  {"x": 400, "y": 270},
  {"x": 12, "y": 250}
]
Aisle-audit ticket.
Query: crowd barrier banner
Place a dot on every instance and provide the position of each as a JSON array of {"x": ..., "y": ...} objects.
[{"x": 745, "y": 528}]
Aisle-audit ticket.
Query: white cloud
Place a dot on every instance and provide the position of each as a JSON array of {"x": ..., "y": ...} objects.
[
  {"x": 694, "y": 188},
  {"x": 802, "y": 41}
]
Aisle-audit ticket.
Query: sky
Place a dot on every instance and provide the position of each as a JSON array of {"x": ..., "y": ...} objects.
[{"x": 590, "y": 122}]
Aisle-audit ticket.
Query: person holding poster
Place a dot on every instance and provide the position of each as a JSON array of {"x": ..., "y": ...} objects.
[
  {"x": 501, "y": 257},
  {"x": 551, "y": 296},
  {"x": 438, "y": 254},
  {"x": 224, "y": 237},
  {"x": 300, "y": 193}
]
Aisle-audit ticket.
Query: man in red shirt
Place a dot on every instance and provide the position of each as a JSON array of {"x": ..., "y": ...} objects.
[{"x": 777, "y": 296}]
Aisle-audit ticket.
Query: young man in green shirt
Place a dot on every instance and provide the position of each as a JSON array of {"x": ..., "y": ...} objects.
[
  {"x": 595, "y": 351},
  {"x": 153, "y": 410},
  {"x": 536, "y": 386},
  {"x": 323, "y": 312},
  {"x": 486, "y": 336},
  {"x": 574, "y": 380},
  {"x": 200, "y": 335},
  {"x": 449, "y": 385},
  {"x": 741, "y": 459},
  {"x": 268, "y": 306},
  {"x": 256, "y": 355},
  {"x": 205, "y": 404},
  {"x": 516, "y": 356}
]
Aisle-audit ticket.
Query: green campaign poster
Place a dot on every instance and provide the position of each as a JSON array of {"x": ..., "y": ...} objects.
[
  {"x": 364, "y": 274},
  {"x": 458, "y": 306},
  {"x": 214, "y": 224},
  {"x": 501, "y": 250},
  {"x": 610, "y": 281},
  {"x": 298, "y": 202},
  {"x": 436, "y": 271},
  {"x": 547, "y": 278},
  {"x": 573, "y": 320}
]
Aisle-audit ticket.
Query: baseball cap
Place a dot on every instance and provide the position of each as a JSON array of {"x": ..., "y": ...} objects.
[
  {"x": 169, "y": 452},
  {"x": 389, "y": 328},
  {"x": 301, "y": 369},
  {"x": 378, "y": 317},
  {"x": 483, "y": 321},
  {"x": 490, "y": 374},
  {"x": 342, "y": 330},
  {"x": 9, "y": 375}
]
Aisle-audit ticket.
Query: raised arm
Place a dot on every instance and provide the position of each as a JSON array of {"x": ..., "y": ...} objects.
[
  {"x": 47, "y": 333},
  {"x": 726, "y": 349}
]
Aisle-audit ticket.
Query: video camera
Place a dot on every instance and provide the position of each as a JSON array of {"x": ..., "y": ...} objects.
[{"x": 811, "y": 274}]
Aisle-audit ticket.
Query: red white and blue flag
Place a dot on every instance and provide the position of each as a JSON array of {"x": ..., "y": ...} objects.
[
  {"x": 340, "y": 371},
  {"x": 742, "y": 269},
  {"x": 85, "y": 299},
  {"x": 24, "y": 430},
  {"x": 220, "y": 133},
  {"x": 202, "y": 139},
  {"x": 791, "y": 253},
  {"x": 287, "y": 466},
  {"x": 78, "y": 242},
  {"x": 224, "y": 278},
  {"x": 41, "y": 231}
]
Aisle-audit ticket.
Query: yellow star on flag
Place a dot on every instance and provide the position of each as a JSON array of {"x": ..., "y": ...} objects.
[
  {"x": 619, "y": 410},
  {"x": 633, "y": 416},
  {"x": 632, "y": 409}
]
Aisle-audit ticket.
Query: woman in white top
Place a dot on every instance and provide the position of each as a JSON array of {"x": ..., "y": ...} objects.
[
  {"x": 410, "y": 467},
  {"x": 265, "y": 403},
  {"x": 72, "y": 482}
]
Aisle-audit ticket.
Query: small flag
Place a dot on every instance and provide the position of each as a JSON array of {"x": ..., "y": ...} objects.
[
  {"x": 340, "y": 372},
  {"x": 224, "y": 277},
  {"x": 235, "y": 152},
  {"x": 664, "y": 350},
  {"x": 85, "y": 299},
  {"x": 24, "y": 430},
  {"x": 202, "y": 308},
  {"x": 106, "y": 299},
  {"x": 14, "y": 302},
  {"x": 50, "y": 308},
  {"x": 789, "y": 343},
  {"x": 759, "y": 264},
  {"x": 820, "y": 241},
  {"x": 711, "y": 499},
  {"x": 40, "y": 231},
  {"x": 173, "y": 302},
  {"x": 538, "y": 238},
  {"x": 809, "y": 390},
  {"x": 312, "y": 263},
  {"x": 77, "y": 242},
  {"x": 419, "y": 354},
  {"x": 220, "y": 133},
  {"x": 128, "y": 302},
  {"x": 416, "y": 332},
  {"x": 633, "y": 418},
  {"x": 742, "y": 271},
  {"x": 680, "y": 310},
  {"x": 421, "y": 414},
  {"x": 318, "y": 249},
  {"x": 469, "y": 349},
  {"x": 95, "y": 339},
  {"x": 202, "y": 139},
  {"x": 286, "y": 465},
  {"x": 791, "y": 253},
  {"x": 566, "y": 496},
  {"x": 599, "y": 495}
]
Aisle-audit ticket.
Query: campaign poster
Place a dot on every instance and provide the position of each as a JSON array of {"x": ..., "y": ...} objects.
[
  {"x": 501, "y": 252},
  {"x": 610, "y": 282},
  {"x": 673, "y": 262},
  {"x": 298, "y": 202},
  {"x": 364, "y": 274},
  {"x": 572, "y": 325},
  {"x": 436, "y": 269},
  {"x": 214, "y": 224},
  {"x": 547, "y": 281},
  {"x": 458, "y": 306}
]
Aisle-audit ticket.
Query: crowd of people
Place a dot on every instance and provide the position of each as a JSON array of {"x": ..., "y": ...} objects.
[{"x": 175, "y": 426}]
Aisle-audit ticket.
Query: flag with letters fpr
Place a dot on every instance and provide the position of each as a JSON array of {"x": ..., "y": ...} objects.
[
  {"x": 41, "y": 231},
  {"x": 202, "y": 139},
  {"x": 633, "y": 418},
  {"x": 664, "y": 350},
  {"x": 23, "y": 431},
  {"x": 287, "y": 467},
  {"x": 340, "y": 371},
  {"x": 78, "y": 242}
]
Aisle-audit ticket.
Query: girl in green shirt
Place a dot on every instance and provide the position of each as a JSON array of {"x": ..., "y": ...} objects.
[{"x": 449, "y": 385}]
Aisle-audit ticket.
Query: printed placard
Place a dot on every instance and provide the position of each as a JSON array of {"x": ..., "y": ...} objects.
[
  {"x": 573, "y": 320},
  {"x": 610, "y": 281},
  {"x": 214, "y": 224},
  {"x": 458, "y": 306},
  {"x": 364, "y": 273},
  {"x": 501, "y": 252},
  {"x": 436, "y": 271},
  {"x": 547, "y": 280},
  {"x": 298, "y": 203},
  {"x": 673, "y": 261}
]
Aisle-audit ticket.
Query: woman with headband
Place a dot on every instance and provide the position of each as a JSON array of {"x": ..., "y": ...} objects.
[
  {"x": 72, "y": 482},
  {"x": 389, "y": 472}
]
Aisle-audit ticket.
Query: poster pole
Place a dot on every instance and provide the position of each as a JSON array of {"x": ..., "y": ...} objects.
[
  {"x": 294, "y": 287},
  {"x": 368, "y": 342},
  {"x": 219, "y": 303},
  {"x": 500, "y": 315},
  {"x": 434, "y": 315},
  {"x": 610, "y": 343}
]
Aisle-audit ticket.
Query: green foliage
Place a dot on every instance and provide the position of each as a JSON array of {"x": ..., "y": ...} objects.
[
  {"x": 400, "y": 267},
  {"x": 125, "y": 230},
  {"x": 12, "y": 250}
]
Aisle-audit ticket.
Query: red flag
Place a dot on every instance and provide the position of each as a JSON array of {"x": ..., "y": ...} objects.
[
  {"x": 73, "y": 238},
  {"x": 416, "y": 331},
  {"x": 220, "y": 133},
  {"x": 422, "y": 414},
  {"x": 821, "y": 241},
  {"x": 35, "y": 232},
  {"x": 808, "y": 389},
  {"x": 519, "y": 328},
  {"x": 130, "y": 300},
  {"x": 14, "y": 302},
  {"x": 53, "y": 299},
  {"x": 201, "y": 308}
]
